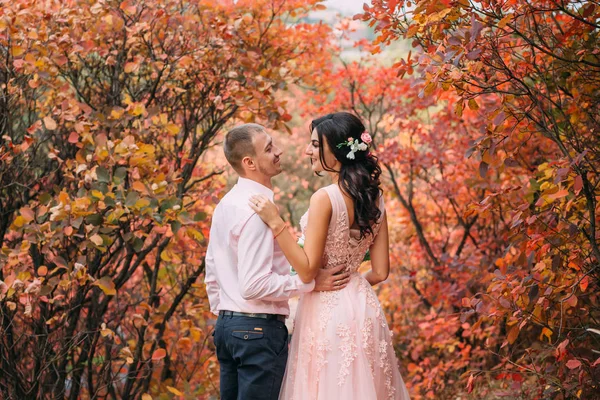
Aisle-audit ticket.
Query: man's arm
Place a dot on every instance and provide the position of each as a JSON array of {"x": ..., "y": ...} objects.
[
  {"x": 255, "y": 266},
  {"x": 212, "y": 287}
]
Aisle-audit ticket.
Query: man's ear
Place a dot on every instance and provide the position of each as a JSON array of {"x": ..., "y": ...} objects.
[{"x": 248, "y": 164}]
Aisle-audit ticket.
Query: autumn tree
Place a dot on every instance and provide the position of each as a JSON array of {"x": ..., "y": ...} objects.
[
  {"x": 539, "y": 63},
  {"x": 107, "y": 112}
]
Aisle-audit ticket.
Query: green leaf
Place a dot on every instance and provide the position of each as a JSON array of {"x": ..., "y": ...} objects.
[
  {"x": 138, "y": 244},
  {"x": 167, "y": 204},
  {"x": 201, "y": 216},
  {"x": 103, "y": 175},
  {"x": 175, "y": 226},
  {"x": 45, "y": 198},
  {"x": 94, "y": 219},
  {"x": 132, "y": 198}
]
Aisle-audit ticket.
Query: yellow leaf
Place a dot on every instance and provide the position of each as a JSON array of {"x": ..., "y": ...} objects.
[
  {"x": 547, "y": 333},
  {"x": 116, "y": 113},
  {"x": 504, "y": 21},
  {"x": 174, "y": 391},
  {"x": 49, "y": 123},
  {"x": 107, "y": 286},
  {"x": 172, "y": 129},
  {"x": 141, "y": 203},
  {"x": 138, "y": 109},
  {"x": 146, "y": 396},
  {"x": 97, "y": 194},
  {"x": 106, "y": 332},
  {"x": 17, "y": 51},
  {"x": 165, "y": 256},
  {"x": 19, "y": 221},
  {"x": 196, "y": 334},
  {"x": 473, "y": 104}
]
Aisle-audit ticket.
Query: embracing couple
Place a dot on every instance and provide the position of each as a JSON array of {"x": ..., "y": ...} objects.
[{"x": 341, "y": 347}]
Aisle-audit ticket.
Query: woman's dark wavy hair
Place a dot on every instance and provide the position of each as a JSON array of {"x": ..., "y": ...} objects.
[{"x": 359, "y": 177}]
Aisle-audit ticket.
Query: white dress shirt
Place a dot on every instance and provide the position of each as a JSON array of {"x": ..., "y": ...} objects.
[{"x": 246, "y": 271}]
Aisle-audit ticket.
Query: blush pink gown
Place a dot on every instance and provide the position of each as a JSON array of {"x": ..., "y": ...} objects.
[{"x": 341, "y": 345}]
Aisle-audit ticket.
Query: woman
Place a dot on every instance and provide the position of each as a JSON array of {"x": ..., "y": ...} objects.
[{"x": 341, "y": 347}]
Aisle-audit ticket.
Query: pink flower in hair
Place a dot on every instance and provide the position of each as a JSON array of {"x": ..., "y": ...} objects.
[{"x": 366, "y": 137}]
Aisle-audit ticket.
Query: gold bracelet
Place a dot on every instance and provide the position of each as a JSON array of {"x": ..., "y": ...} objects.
[{"x": 279, "y": 233}]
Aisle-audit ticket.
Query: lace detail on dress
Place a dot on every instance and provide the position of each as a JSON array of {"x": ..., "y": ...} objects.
[
  {"x": 310, "y": 347},
  {"x": 384, "y": 364},
  {"x": 348, "y": 347},
  {"x": 366, "y": 289},
  {"x": 328, "y": 301},
  {"x": 323, "y": 347},
  {"x": 340, "y": 247},
  {"x": 342, "y": 334},
  {"x": 367, "y": 332}
]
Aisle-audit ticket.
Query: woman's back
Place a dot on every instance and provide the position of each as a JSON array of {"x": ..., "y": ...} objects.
[
  {"x": 344, "y": 244},
  {"x": 341, "y": 347}
]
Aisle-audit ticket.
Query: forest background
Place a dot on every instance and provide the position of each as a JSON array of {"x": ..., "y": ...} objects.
[{"x": 485, "y": 118}]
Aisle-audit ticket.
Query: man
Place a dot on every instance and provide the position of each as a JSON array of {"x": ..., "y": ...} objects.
[{"x": 248, "y": 279}]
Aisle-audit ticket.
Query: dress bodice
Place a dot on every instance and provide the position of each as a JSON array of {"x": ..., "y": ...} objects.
[{"x": 343, "y": 245}]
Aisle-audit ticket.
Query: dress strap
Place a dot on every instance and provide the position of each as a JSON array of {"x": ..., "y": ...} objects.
[{"x": 337, "y": 201}]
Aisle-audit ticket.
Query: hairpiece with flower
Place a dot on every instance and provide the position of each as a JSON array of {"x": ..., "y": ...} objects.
[{"x": 355, "y": 145}]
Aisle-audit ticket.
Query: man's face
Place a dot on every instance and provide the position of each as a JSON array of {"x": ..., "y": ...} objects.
[{"x": 267, "y": 154}]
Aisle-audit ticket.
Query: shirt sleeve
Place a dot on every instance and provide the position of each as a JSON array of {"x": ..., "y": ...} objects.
[
  {"x": 212, "y": 287},
  {"x": 255, "y": 266}
]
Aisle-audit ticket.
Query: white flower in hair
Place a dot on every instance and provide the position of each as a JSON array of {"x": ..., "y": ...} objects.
[{"x": 355, "y": 145}]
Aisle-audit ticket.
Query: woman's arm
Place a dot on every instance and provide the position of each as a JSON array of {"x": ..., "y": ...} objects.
[
  {"x": 380, "y": 255},
  {"x": 305, "y": 261}
]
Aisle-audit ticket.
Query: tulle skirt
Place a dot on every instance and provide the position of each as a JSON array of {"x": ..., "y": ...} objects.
[{"x": 342, "y": 348}]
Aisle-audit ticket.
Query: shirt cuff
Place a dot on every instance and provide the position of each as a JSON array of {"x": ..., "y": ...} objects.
[{"x": 304, "y": 287}]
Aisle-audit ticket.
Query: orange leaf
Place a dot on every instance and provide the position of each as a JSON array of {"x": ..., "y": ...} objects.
[
  {"x": 470, "y": 383},
  {"x": 513, "y": 334},
  {"x": 559, "y": 195},
  {"x": 139, "y": 186},
  {"x": 73, "y": 137},
  {"x": 578, "y": 184},
  {"x": 50, "y": 123},
  {"x": 159, "y": 354}
]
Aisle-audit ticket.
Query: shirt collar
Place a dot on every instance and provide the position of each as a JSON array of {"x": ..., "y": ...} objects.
[{"x": 248, "y": 185}]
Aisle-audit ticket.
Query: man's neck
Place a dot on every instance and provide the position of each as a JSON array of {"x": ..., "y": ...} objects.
[{"x": 263, "y": 180}]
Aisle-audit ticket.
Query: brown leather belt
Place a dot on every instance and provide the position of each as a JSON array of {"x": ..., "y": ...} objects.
[{"x": 277, "y": 317}]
